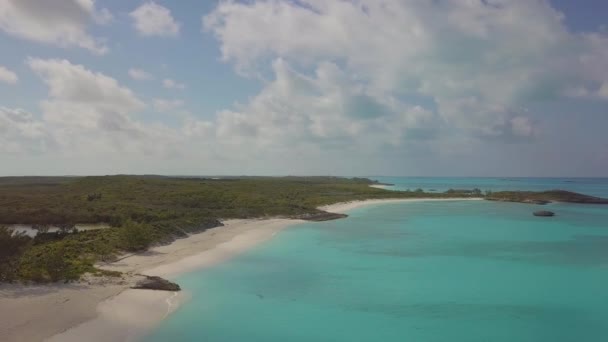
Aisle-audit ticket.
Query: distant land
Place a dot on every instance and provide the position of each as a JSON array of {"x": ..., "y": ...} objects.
[{"x": 143, "y": 211}]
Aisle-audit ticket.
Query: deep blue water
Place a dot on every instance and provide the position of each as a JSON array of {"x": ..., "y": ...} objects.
[{"x": 462, "y": 271}]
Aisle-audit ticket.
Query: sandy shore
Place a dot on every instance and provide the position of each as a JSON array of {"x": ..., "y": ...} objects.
[
  {"x": 34, "y": 313},
  {"x": 105, "y": 309},
  {"x": 346, "y": 206},
  {"x": 379, "y": 186}
]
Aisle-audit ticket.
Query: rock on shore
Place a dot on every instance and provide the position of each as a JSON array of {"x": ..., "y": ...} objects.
[
  {"x": 321, "y": 216},
  {"x": 156, "y": 283},
  {"x": 544, "y": 213}
]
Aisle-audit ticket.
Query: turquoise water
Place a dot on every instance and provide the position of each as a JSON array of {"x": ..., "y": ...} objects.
[
  {"x": 589, "y": 186},
  {"x": 463, "y": 271}
]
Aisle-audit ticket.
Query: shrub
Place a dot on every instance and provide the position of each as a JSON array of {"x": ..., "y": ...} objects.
[
  {"x": 56, "y": 264},
  {"x": 12, "y": 245},
  {"x": 136, "y": 236}
]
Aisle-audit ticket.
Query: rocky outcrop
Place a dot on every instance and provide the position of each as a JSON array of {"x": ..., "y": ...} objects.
[
  {"x": 156, "y": 283},
  {"x": 321, "y": 216},
  {"x": 544, "y": 213}
]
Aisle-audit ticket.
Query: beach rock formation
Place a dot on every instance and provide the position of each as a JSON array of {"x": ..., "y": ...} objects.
[
  {"x": 544, "y": 213},
  {"x": 321, "y": 216},
  {"x": 156, "y": 283}
]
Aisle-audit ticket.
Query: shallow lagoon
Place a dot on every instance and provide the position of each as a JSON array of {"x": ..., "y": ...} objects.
[{"x": 429, "y": 271}]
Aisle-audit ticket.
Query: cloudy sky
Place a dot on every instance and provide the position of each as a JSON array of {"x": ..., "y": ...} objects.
[{"x": 343, "y": 87}]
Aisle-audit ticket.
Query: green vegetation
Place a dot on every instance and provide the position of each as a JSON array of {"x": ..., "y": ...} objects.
[
  {"x": 150, "y": 210},
  {"x": 146, "y": 210},
  {"x": 12, "y": 246},
  {"x": 135, "y": 236},
  {"x": 544, "y": 197},
  {"x": 474, "y": 192}
]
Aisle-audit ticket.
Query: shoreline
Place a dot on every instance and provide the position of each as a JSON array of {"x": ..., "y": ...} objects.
[
  {"x": 346, "y": 206},
  {"x": 107, "y": 309},
  {"x": 380, "y": 186},
  {"x": 132, "y": 313}
]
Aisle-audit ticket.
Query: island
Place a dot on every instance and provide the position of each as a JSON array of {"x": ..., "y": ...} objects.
[
  {"x": 544, "y": 197},
  {"x": 77, "y": 241},
  {"x": 143, "y": 211}
]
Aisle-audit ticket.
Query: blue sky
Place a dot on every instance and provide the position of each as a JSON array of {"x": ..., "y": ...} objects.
[{"x": 476, "y": 88}]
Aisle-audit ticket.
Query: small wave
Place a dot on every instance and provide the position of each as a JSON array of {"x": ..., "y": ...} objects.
[{"x": 171, "y": 305}]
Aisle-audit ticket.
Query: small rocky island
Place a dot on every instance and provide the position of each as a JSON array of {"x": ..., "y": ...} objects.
[{"x": 544, "y": 213}]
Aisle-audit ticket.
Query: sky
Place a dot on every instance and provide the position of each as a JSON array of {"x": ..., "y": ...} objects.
[{"x": 304, "y": 87}]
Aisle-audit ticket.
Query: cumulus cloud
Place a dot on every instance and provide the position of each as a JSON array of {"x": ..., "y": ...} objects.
[
  {"x": 89, "y": 113},
  {"x": 20, "y": 132},
  {"x": 171, "y": 84},
  {"x": 152, "y": 19},
  {"x": 327, "y": 109},
  {"x": 83, "y": 104},
  {"x": 102, "y": 16},
  {"x": 466, "y": 58},
  {"x": 58, "y": 22},
  {"x": 603, "y": 91},
  {"x": 8, "y": 76},
  {"x": 163, "y": 105},
  {"x": 140, "y": 75},
  {"x": 346, "y": 86}
]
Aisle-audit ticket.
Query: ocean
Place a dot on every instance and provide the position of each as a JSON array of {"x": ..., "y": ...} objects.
[{"x": 462, "y": 271}]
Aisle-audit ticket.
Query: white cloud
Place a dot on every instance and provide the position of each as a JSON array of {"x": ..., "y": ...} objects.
[
  {"x": 603, "y": 91},
  {"x": 163, "y": 105},
  {"x": 140, "y": 75},
  {"x": 365, "y": 85},
  {"x": 171, "y": 84},
  {"x": 57, "y": 22},
  {"x": 8, "y": 76},
  {"x": 103, "y": 16},
  {"x": 467, "y": 58},
  {"x": 327, "y": 109},
  {"x": 20, "y": 132},
  {"x": 89, "y": 113},
  {"x": 151, "y": 19},
  {"x": 522, "y": 126},
  {"x": 588, "y": 92},
  {"x": 83, "y": 98}
]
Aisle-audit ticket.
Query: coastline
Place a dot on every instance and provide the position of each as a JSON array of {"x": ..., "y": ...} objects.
[
  {"x": 132, "y": 313},
  {"x": 346, "y": 206},
  {"x": 107, "y": 309},
  {"x": 380, "y": 186}
]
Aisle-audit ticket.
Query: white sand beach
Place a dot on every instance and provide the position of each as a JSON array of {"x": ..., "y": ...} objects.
[
  {"x": 106, "y": 309},
  {"x": 346, "y": 206},
  {"x": 380, "y": 186}
]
